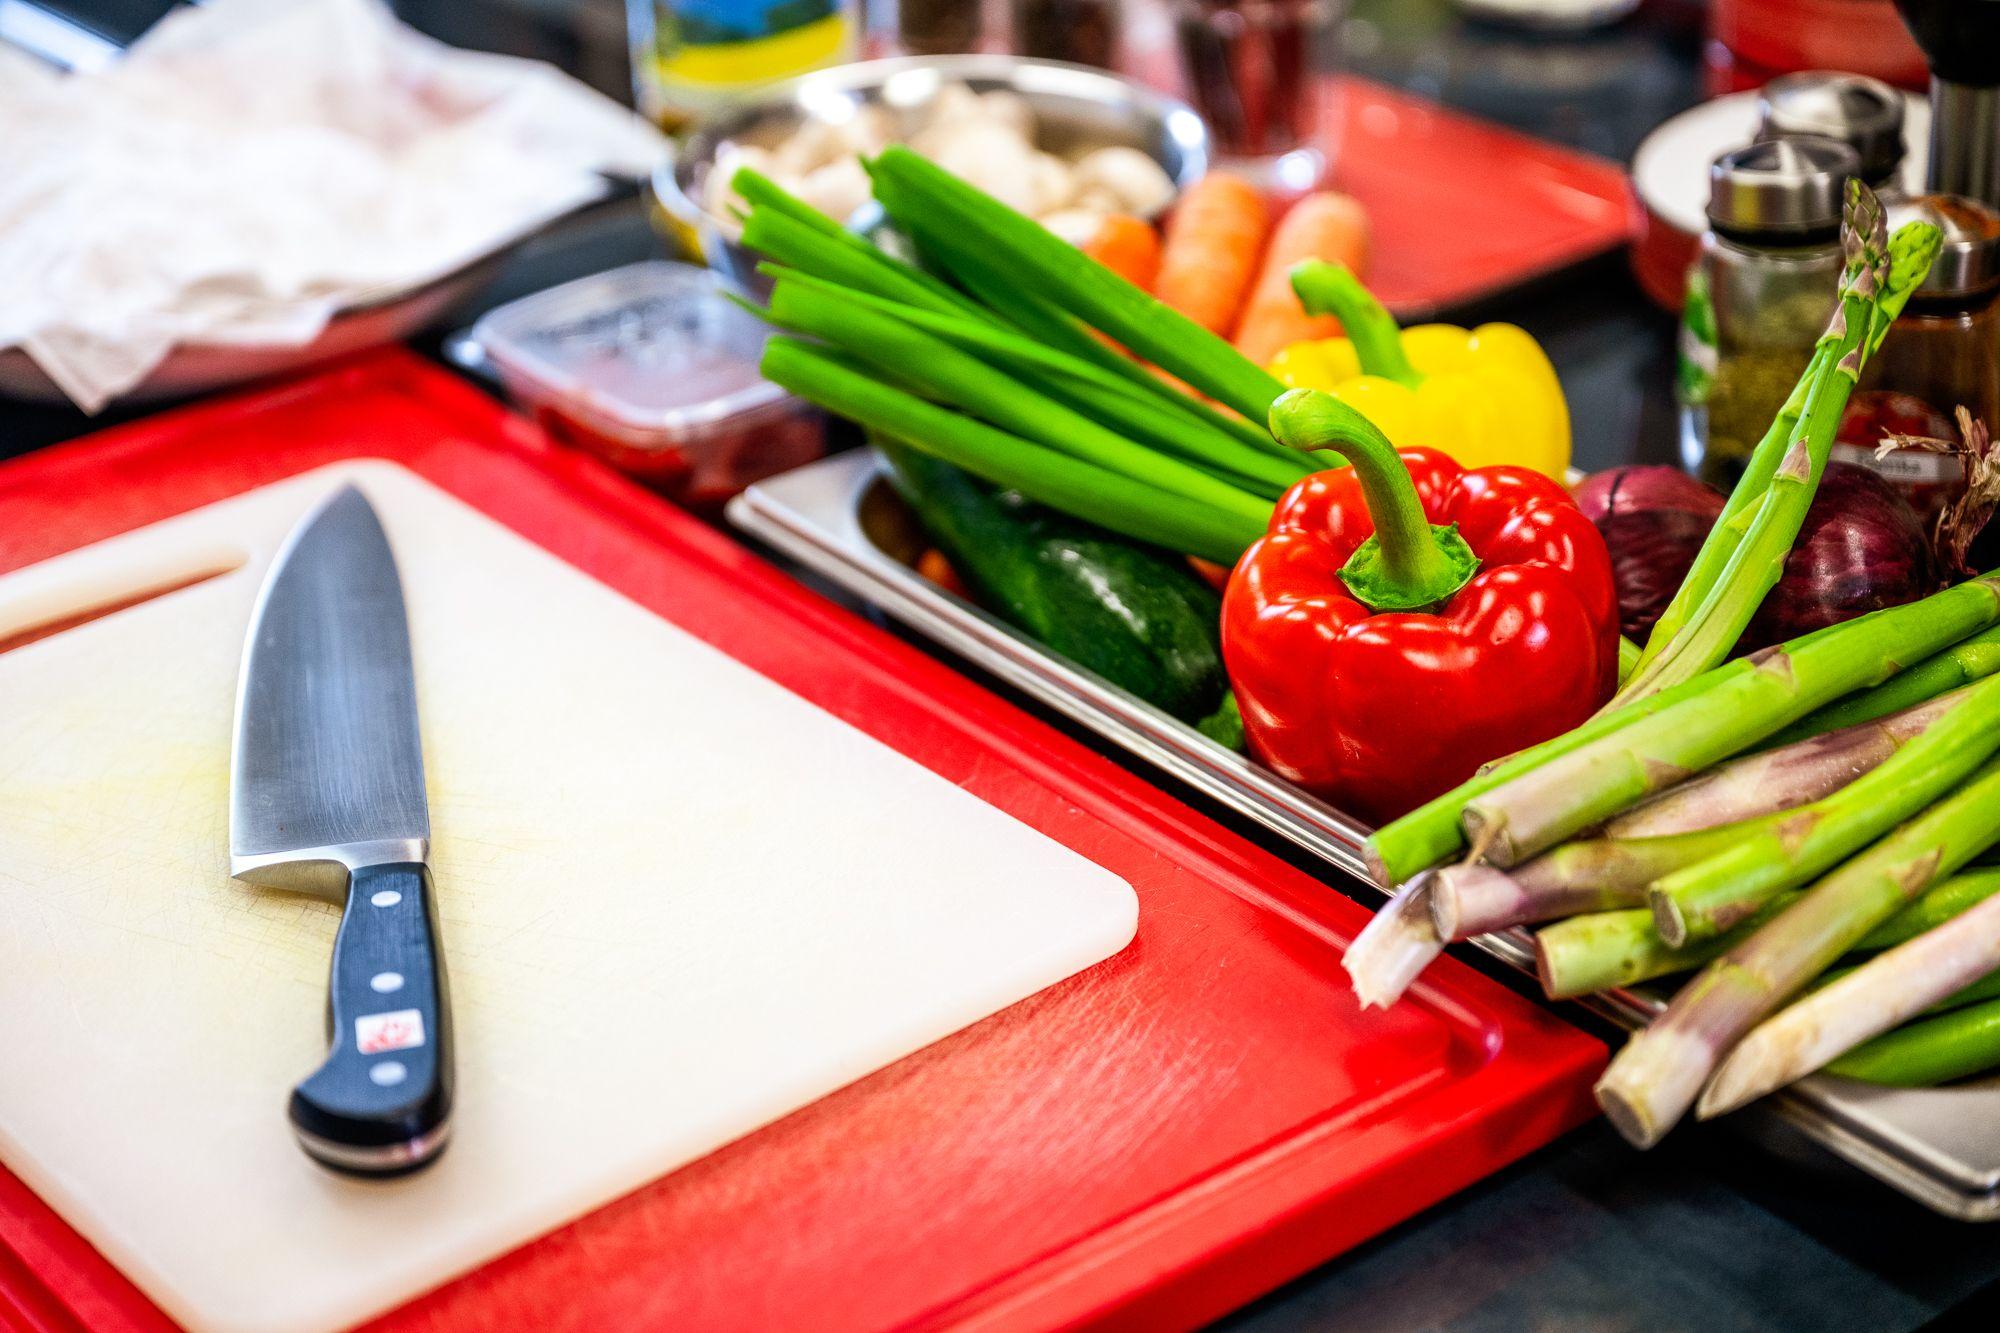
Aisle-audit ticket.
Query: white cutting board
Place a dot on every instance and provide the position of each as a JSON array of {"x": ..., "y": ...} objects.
[{"x": 678, "y": 902}]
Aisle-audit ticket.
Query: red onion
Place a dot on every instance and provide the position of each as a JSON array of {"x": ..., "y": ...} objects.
[
  {"x": 1654, "y": 519},
  {"x": 1862, "y": 548}
]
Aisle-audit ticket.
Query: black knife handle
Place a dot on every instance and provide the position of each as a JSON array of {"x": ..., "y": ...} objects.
[{"x": 380, "y": 1103}]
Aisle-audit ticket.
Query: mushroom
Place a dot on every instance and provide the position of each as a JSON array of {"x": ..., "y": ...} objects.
[{"x": 1140, "y": 185}]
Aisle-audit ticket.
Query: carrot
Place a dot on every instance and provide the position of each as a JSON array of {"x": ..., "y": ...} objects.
[
  {"x": 933, "y": 566},
  {"x": 1129, "y": 247},
  {"x": 1214, "y": 575},
  {"x": 1325, "y": 226},
  {"x": 1213, "y": 240}
]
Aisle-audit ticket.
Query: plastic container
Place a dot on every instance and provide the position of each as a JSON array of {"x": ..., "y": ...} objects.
[{"x": 651, "y": 369}]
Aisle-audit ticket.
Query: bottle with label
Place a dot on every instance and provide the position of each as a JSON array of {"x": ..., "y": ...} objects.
[
  {"x": 1943, "y": 352},
  {"x": 690, "y": 57},
  {"x": 1761, "y": 291}
]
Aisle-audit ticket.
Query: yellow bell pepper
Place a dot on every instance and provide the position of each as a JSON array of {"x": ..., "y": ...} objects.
[{"x": 1483, "y": 396}]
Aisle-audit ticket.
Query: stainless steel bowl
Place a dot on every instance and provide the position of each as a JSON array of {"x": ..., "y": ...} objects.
[{"x": 1076, "y": 109}]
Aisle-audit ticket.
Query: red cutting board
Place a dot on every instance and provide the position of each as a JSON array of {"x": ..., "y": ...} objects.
[{"x": 1150, "y": 1143}]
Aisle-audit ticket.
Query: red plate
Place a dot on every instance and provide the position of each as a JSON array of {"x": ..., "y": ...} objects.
[
  {"x": 1461, "y": 209},
  {"x": 1152, "y": 1142}
]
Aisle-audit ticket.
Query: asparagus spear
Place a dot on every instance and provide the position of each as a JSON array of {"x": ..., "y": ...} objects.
[
  {"x": 1397, "y": 944},
  {"x": 1558, "y": 799},
  {"x": 1654, "y": 1080},
  {"x": 1756, "y": 535},
  {"x": 1708, "y": 897},
  {"x": 1962, "y": 891},
  {"x": 1963, "y": 663},
  {"x": 1877, "y": 996},
  {"x": 1775, "y": 780},
  {"x": 1432, "y": 832},
  {"x": 1952, "y": 1046},
  {"x": 1602, "y": 951},
  {"x": 1591, "y": 875},
  {"x": 1607, "y": 950}
]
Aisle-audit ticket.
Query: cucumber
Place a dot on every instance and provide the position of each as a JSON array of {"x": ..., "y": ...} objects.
[{"x": 1133, "y": 614}]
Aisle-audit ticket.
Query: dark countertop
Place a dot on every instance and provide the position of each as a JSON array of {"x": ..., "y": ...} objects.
[{"x": 1719, "y": 1228}]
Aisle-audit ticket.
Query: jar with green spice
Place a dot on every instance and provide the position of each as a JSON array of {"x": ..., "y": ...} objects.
[{"x": 1761, "y": 291}]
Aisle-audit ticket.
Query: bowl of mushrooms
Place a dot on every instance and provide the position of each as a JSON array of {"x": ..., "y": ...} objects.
[{"x": 1064, "y": 144}]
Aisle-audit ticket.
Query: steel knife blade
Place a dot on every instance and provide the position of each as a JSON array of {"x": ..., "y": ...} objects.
[{"x": 327, "y": 795}]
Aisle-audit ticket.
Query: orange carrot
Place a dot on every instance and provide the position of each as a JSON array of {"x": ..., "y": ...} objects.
[
  {"x": 1214, "y": 575},
  {"x": 1129, "y": 247},
  {"x": 1213, "y": 240},
  {"x": 933, "y": 566},
  {"x": 1325, "y": 226}
]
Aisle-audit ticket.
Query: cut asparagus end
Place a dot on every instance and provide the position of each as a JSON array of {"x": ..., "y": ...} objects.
[
  {"x": 1395, "y": 947},
  {"x": 1651, "y": 1084},
  {"x": 1668, "y": 919},
  {"x": 1468, "y": 900}
]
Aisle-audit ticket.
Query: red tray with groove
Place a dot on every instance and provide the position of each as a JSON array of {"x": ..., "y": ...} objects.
[{"x": 1148, "y": 1144}]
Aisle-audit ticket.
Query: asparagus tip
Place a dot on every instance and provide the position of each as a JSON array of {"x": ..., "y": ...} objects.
[{"x": 1651, "y": 1084}]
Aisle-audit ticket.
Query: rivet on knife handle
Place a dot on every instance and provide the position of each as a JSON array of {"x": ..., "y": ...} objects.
[{"x": 380, "y": 1104}]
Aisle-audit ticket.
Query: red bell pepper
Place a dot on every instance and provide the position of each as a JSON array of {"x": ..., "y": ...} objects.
[{"x": 1406, "y": 620}]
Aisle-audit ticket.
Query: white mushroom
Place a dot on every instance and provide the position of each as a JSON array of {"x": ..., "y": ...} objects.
[
  {"x": 1009, "y": 109},
  {"x": 838, "y": 189},
  {"x": 1141, "y": 186},
  {"x": 952, "y": 104},
  {"x": 1075, "y": 225},
  {"x": 1051, "y": 182},
  {"x": 719, "y": 198},
  {"x": 872, "y": 129},
  {"x": 813, "y": 144},
  {"x": 995, "y": 160}
]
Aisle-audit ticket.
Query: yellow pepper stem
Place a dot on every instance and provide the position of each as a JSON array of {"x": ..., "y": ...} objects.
[
  {"x": 1332, "y": 289},
  {"x": 1410, "y": 563}
]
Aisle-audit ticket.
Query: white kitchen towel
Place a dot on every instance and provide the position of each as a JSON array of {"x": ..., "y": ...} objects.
[{"x": 251, "y": 167}]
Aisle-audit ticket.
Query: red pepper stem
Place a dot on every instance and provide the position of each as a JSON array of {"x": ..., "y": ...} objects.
[
  {"x": 1409, "y": 563},
  {"x": 1332, "y": 289}
]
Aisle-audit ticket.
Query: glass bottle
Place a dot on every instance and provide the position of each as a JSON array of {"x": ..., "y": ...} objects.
[
  {"x": 1944, "y": 351},
  {"x": 694, "y": 56},
  {"x": 1863, "y": 113},
  {"x": 1759, "y": 295}
]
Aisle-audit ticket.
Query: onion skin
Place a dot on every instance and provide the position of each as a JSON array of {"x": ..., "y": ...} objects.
[
  {"x": 1862, "y": 548},
  {"x": 1654, "y": 519}
]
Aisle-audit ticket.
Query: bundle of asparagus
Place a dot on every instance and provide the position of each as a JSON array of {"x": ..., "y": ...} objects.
[{"x": 1757, "y": 821}]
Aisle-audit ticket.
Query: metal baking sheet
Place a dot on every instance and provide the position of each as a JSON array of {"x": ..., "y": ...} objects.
[{"x": 838, "y": 518}]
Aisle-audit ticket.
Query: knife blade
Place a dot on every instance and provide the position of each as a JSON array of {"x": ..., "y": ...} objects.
[{"x": 327, "y": 796}]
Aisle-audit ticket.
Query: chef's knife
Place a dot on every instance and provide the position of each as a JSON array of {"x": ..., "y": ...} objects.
[{"x": 327, "y": 795}]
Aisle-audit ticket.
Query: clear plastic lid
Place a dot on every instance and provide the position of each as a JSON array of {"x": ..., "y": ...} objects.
[{"x": 652, "y": 350}]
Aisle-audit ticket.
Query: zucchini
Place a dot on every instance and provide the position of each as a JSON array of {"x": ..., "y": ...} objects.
[{"x": 1133, "y": 614}]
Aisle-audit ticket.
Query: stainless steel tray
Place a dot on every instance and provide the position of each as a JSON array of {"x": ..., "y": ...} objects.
[{"x": 838, "y": 518}]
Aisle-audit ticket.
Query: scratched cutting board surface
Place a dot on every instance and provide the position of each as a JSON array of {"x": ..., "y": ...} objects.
[{"x": 678, "y": 902}]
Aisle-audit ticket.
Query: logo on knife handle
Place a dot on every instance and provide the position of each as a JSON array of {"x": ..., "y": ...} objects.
[{"x": 396, "y": 1030}]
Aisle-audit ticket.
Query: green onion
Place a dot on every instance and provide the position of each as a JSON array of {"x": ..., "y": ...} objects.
[{"x": 1089, "y": 492}]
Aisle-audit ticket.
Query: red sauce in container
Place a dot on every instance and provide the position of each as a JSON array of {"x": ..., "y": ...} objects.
[{"x": 650, "y": 368}]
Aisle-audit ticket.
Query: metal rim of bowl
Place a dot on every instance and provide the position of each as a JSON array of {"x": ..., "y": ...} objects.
[{"x": 1178, "y": 121}]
